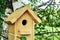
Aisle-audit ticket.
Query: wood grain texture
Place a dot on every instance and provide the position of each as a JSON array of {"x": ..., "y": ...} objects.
[{"x": 26, "y": 30}]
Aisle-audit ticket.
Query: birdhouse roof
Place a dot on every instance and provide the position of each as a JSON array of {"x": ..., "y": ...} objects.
[{"x": 18, "y": 13}]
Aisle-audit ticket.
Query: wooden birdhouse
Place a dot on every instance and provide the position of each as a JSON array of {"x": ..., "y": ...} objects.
[{"x": 21, "y": 23}]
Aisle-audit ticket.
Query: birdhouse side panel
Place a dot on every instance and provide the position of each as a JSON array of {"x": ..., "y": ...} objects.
[{"x": 11, "y": 32}]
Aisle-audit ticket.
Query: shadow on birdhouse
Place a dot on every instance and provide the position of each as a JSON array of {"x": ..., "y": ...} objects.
[{"x": 21, "y": 22}]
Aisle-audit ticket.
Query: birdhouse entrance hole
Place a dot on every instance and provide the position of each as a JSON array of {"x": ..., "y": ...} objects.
[{"x": 24, "y": 22}]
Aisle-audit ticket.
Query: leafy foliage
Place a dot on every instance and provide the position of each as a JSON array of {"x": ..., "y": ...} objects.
[
  {"x": 50, "y": 20},
  {"x": 2, "y": 10}
]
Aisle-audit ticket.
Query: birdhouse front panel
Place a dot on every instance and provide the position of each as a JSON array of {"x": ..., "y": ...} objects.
[{"x": 24, "y": 26}]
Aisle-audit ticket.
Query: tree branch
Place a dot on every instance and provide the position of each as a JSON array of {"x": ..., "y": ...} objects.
[
  {"x": 45, "y": 3},
  {"x": 46, "y": 33},
  {"x": 4, "y": 37}
]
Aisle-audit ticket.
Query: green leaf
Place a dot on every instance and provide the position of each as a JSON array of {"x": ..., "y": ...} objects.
[{"x": 23, "y": 38}]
